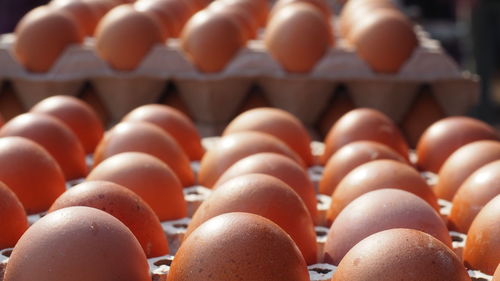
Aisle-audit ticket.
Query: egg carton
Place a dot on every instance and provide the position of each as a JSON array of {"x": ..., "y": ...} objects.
[
  {"x": 214, "y": 98},
  {"x": 444, "y": 209},
  {"x": 458, "y": 243},
  {"x": 4, "y": 258},
  {"x": 324, "y": 202},
  {"x": 321, "y": 236},
  {"x": 476, "y": 275},
  {"x": 194, "y": 196},
  {"x": 175, "y": 230}
]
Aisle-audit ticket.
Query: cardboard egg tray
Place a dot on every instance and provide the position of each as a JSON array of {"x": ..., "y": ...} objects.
[{"x": 215, "y": 98}]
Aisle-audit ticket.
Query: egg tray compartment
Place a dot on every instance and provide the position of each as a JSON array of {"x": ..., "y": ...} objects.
[{"x": 215, "y": 98}]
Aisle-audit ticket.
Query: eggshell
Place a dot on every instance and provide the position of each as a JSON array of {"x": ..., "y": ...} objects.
[
  {"x": 401, "y": 254},
  {"x": 351, "y": 156},
  {"x": 125, "y": 36},
  {"x": 479, "y": 188},
  {"x": 42, "y": 35},
  {"x": 482, "y": 247},
  {"x": 101, "y": 7},
  {"x": 210, "y": 40},
  {"x": 442, "y": 138},
  {"x": 238, "y": 246},
  {"x": 54, "y": 136},
  {"x": 174, "y": 122},
  {"x": 122, "y": 204},
  {"x": 364, "y": 124},
  {"x": 259, "y": 9},
  {"x": 321, "y": 5},
  {"x": 77, "y": 243},
  {"x": 354, "y": 11},
  {"x": 199, "y": 4},
  {"x": 462, "y": 163},
  {"x": 13, "y": 221},
  {"x": 278, "y": 123},
  {"x": 278, "y": 166},
  {"x": 83, "y": 13},
  {"x": 496, "y": 276},
  {"x": 375, "y": 175},
  {"x": 75, "y": 114},
  {"x": 379, "y": 210},
  {"x": 240, "y": 14},
  {"x": 147, "y": 176},
  {"x": 147, "y": 138},
  {"x": 298, "y": 36},
  {"x": 234, "y": 147}
]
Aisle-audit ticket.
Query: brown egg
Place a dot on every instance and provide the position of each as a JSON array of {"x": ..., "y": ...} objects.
[
  {"x": 278, "y": 166},
  {"x": 147, "y": 138},
  {"x": 238, "y": 246},
  {"x": 266, "y": 196},
  {"x": 340, "y": 105},
  {"x": 375, "y": 175},
  {"x": 401, "y": 254},
  {"x": 354, "y": 11},
  {"x": 54, "y": 136},
  {"x": 364, "y": 124},
  {"x": 77, "y": 243},
  {"x": 101, "y": 7},
  {"x": 373, "y": 38},
  {"x": 482, "y": 247},
  {"x": 298, "y": 36},
  {"x": 122, "y": 204},
  {"x": 174, "y": 122},
  {"x": 278, "y": 123},
  {"x": 234, "y": 147},
  {"x": 442, "y": 138},
  {"x": 477, "y": 190},
  {"x": 379, "y": 210},
  {"x": 462, "y": 163},
  {"x": 125, "y": 36},
  {"x": 321, "y": 5},
  {"x": 149, "y": 178},
  {"x": 13, "y": 221},
  {"x": 240, "y": 14},
  {"x": 496, "y": 276},
  {"x": 198, "y": 4},
  {"x": 351, "y": 156},
  {"x": 29, "y": 170},
  {"x": 77, "y": 115},
  {"x": 259, "y": 9},
  {"x": 83, "y": 13},
  {"x": 210, "y": 40},
  {"x": 42, "y": 35}
]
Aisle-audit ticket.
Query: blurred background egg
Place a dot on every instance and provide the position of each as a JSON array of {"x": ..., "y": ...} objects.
[
  {"x": 124, "y": 36},
  {"x": 13, "y": 220},
  {"x": 42, "y": 35},
  {"x": 259, "y": 9},
  {"x": 354, "y": 11},
  {"x": 101, "y": 7},
  {"x": 298, "y": 36},
  {"x": 401, "y": 254},
  {"x": 248, "y": 23},
  {"x": 54, "y": 136},
  {"x": 147, "y": 138},
  {"x": 238, "y": 245},
  {"x": 278, "y": 123},
  {"x": 445, "y": 136},
  {"x": 122, "y": 204},
  {"x": 77, "y": 115},
  {"x": 83, "y": 13},
  {"x": 80, "y": 241},
  {"x": 149, "y": 178},
  {"x": 322, "y": 5}
]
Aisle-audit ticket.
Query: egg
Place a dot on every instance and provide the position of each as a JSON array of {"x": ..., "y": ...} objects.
[
  {"x": 482, "y": 247},
  {"x": 124, "y": 36},
  {"x": 147, "y": 138},
  {"x": 234, "y": 147},
  {"x": 75, "y": 114},
  {"x": 401, "y": 254},
  {"x": 13, "y": 220},
  {"x": 54, "y": 136},
  {"x": 42, "y": 35},
  {"x": 462, "y": 163},
  {"x": 259, "y": 9},
  {"x": 174, "y": 122},
  {"x": 149, "y": 178},
  {"x": 496, "y": 276},
  {"x": 380, "y": 210},
  {"x": 211, "y": 40},
  {"x": 374, "y": 40},
  {"x": 101, "y": 7},
  {"x": 354, "y": 11},
  {"x": 77, "y": 243},
  {"x": 278, "y": 123},
  {"x": 364, "y": 124},
  {"x": 29, "y": 170},
  {"x": 122, "y": 204},
  {"x": 83, "y": 13},
  {"x": 199, "y": 4},
  {"x": 351, "y": 156},
  {"x": 479, "y": 188},
  {"x": 340, "y": 105},
  {"x": 238, "y": 246},
  {"x": 297, "y": 37},
  {"x": 321, "y": 5},
  {"x": 278, "y": 166},
  {"x": 375, "y": 175},
  {"x": 240, "y": 14},
  {"x": 445, "y": 136}
]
